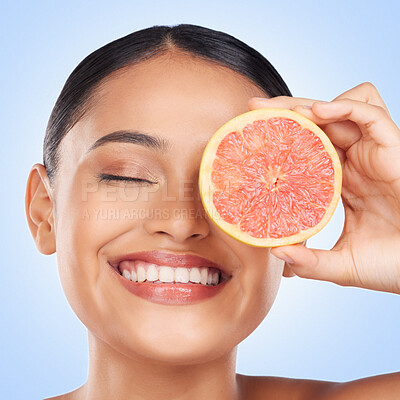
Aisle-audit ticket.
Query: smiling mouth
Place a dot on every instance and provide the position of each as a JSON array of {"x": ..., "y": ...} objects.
[
  {"x": 170, "y": 278},
  {"x": 145, "y": 272}
]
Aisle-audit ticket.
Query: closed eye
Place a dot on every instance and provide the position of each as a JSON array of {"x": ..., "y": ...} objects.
[{"x": 110, "y": 178}]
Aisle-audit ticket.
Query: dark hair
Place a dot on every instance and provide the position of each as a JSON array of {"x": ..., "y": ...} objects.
[{"x": 214, "y": 46}]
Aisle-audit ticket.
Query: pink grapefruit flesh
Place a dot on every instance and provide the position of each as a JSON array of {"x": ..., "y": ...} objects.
[{"x": 270, "y": 177}]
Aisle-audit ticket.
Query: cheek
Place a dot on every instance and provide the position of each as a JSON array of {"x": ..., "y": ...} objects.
[
  {"x": 91, "y": 215},
  {"x": 258, "y": 283},
  {"x": 268, "y": 281},
  {"x": 265, "y": 287},
  {"x": 87, "y": 217}
]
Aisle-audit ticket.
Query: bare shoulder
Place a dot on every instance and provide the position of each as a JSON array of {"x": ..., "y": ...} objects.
[
  {"x": 61, "y": 397},
  {"x": 74, "y": 395},
  {"x": 66, "y": 396},
  {"x": 382, "y": 387},
  {"x": 277, "y": 388}
]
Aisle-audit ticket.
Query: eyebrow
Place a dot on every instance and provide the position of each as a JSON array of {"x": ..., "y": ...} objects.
[{"x": 132, "y": 136}]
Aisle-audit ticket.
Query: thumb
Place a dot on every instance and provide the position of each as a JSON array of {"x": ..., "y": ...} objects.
[{"x": 324, "y": 265}]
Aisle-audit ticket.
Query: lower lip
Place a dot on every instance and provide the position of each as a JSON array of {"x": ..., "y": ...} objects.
[{"x": 170, "y": 293}]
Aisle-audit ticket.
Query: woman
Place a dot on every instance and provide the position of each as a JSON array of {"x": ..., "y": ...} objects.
[{"x": 117, "y": 198}]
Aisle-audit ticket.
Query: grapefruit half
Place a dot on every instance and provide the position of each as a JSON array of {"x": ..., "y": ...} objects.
[{"x": 270, "y": 177}]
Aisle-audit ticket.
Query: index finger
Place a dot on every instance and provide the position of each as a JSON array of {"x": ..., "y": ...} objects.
[
  {"x": 364, "y": 92},
  {"x": 372, "y": 120}
]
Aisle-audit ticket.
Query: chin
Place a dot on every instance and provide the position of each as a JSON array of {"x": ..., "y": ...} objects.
[
  {"x": 174, "y": 344},
  {"x": 183, "y": 353}
]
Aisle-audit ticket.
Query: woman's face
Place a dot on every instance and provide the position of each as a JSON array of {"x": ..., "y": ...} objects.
[{"x": 182, "y": 101}]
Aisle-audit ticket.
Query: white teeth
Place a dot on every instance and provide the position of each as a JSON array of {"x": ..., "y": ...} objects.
[
  {"x": 166, "y": 274},
  {"x": 215, "y": 278},
  {"x": 182, "y": 275},
  {"x": 203, "y": 276},
  {"x": 133, "y": 276},
  {"x": 140, "y": 271},
  {"x": 141, "y": 274},
  {"x": 194, "y": 275},
  {"x": 152, "y": 273}
]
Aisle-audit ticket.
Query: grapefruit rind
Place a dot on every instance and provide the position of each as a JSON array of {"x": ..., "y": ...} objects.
[{"x": 207, "y": 188}]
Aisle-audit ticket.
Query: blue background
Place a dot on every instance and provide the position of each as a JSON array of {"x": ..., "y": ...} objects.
[{"x": 315, "y": 330}]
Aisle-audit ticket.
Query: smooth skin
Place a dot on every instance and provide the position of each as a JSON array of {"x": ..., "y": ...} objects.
[{"x": 142, "y": 350}]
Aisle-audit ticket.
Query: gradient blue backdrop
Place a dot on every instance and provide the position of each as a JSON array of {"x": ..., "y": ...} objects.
[{"x": 315, "y": 330}]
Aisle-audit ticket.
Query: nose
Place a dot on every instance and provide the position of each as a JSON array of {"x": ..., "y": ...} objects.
[{"x": 181, "y": 220}]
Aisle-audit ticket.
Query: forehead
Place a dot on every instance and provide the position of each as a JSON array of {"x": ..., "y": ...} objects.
[{"x": 181, "y": 98}]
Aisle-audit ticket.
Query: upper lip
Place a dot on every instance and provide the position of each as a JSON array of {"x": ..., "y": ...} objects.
[{"x": 168, "y": 258}]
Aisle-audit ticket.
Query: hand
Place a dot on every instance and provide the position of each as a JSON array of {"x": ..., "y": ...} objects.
[{"x": 367, "y": 254}]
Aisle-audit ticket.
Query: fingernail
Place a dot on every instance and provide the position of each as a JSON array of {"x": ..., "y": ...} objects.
[{"x": 285, "y": 258}]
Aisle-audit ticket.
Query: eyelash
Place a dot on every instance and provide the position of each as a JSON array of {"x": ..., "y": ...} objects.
[{"x": 110, "y": 178}]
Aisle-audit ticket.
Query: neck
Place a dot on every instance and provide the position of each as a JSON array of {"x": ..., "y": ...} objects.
[{"x": 113, "y": 375}]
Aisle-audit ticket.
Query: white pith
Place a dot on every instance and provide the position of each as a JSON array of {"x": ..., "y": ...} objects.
[{"x": 141, "y": 271}]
